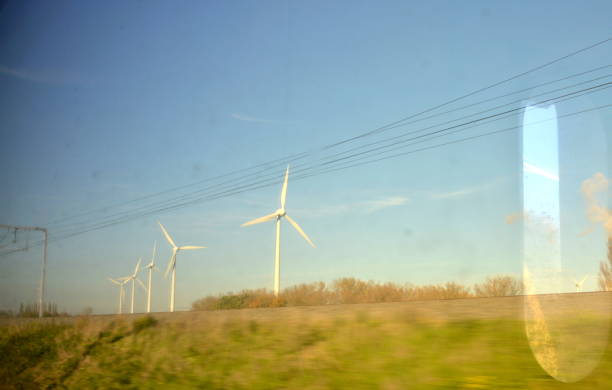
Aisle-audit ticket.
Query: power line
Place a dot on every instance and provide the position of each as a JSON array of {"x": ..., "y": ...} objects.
[
  {"x": 300, "y": 175},
  {"x": 292, "y": 158},
  {"x": 307, "y": 175},
  {"x": 184, "y": 198},
  {"x": 326, "y": 161},
  {"x": 303, "y": 155},
  {"x": 466, "y": 116},
  {"x": 289, "y": 158},
  {"x": 471, "y": 122},
  {"x": 384, "y": 128},
  {"x": 332, "y": 165}
]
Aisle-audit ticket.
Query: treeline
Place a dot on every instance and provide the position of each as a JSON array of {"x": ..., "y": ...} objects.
[
  {"x": 30, "y": 310},
  {"x": 351, "y": 290}
]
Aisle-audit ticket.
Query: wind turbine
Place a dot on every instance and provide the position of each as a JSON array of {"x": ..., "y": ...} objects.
[
  {"x": 134, "y": 279},
  {"x": 579, "y": 284},
  {"x": 172, "y": 263},
  {"x": 120, "y": 282},
  {"x": 278, "y": 215},
  {"x": 150, "y": 267}
]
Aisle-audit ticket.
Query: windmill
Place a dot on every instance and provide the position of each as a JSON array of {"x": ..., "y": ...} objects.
[
  {"x": 151, "y": 266},
  {"x": 579, "y": 284},
  {"x": 120, "y": 282},
  {"x": 278, "y": 215},
  {"x": 134, "y": 279},
  {"x": 172, "y": 263}
]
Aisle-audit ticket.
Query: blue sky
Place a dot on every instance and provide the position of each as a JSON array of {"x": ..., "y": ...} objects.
[{"x": 106, "y": 102}]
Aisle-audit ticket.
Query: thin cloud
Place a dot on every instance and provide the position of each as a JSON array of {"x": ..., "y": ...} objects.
[
  {"x": 463, "y": 192},
  {"x": 248, "y": 118},
  {"x": 21, "y": 74},
  {"x": 46, "y": 77},
  {"x": 393, "y": 201},
  {"x": 367, "y": 207},
  {"x": 454, "y": 194}
]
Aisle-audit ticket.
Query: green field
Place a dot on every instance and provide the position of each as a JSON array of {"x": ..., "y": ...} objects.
[{"x": 455, "y": 344}]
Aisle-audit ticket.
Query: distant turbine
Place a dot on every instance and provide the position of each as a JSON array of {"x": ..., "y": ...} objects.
[
  {"x": 278, "y": 214},
  {"x": 150, "y": 267},
  {"x": 120, "y": 282},
  {"x": 579, "y": 284},
  {"x": 134, "y": 279},
  {"x": 172, "y": 263}
]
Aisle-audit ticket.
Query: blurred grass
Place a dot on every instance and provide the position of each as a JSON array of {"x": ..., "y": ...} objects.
[{"x": 358, "y": 350}]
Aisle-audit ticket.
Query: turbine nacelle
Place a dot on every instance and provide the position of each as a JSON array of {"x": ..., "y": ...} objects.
[
  {"x": 578, "y": 284},
  {"x": 280, "y": 212},
  {"x": 120, "y": 281},
  {"x": 152, "y": 263}
]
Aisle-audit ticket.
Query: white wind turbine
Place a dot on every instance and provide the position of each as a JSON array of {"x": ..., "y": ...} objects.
[
  {"x": 120, "y": 282},
  {"x": 150, "y": 267},
  {"x": 278, "y": 214},
  {"x": 134, "y": 279},
  {"x": 172, "y": 263},
  {"x": 579, "y": 284}
]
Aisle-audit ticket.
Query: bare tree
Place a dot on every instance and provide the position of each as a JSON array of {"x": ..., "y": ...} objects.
[
  {"x": 498, "y": 286},
  {"x": 605, "y": 270},
  {"x": 307, "y": 294}
]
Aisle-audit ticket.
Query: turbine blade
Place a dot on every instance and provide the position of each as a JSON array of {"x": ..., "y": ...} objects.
[
  {"x": 141, "y": 284},
  {"x": 154, "y": 252},
  {"x": 137, "y": 267},
  {"x": 299, "y": 229},
  {"x": 583, "y": 279},
  {"x": 114, "y": 281},
  {"x": 167, "y": 235},
  {"x": 189, "y": 247},
  {"x": 170, "y": 264},
  {"x": 284, "y": 190},
  {"x": 260, "y": 220}
]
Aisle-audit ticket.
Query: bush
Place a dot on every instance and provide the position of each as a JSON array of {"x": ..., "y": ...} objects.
[
  {"x": 206, "y": 303},
  {"x": 449, "y": 290},
  {"x": 24, "y": 348},
  {"x": 352, "y": 290},
  {"x": 243, "y": 300},
  {"x": 499, "y": 286},
  {"x": 143, "y": 323},
  {"x": 307, "y": 294}
]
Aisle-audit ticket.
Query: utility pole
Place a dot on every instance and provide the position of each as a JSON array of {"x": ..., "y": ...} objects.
[{"x": 43, "y": 274}]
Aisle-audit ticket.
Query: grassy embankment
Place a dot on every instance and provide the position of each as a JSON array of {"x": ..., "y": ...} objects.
[{"x": 463, "y": 344}]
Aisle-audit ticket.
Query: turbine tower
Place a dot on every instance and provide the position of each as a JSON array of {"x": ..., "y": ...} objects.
[
  {"x": 120, "y": 282},
  {"x": 579, "y": 284},
  {"x": 150, "y": 267},
  {"x": 134, "y": 279},
  {"x": 278, "y": 215},
  {"x": 172, "y": 263}
]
